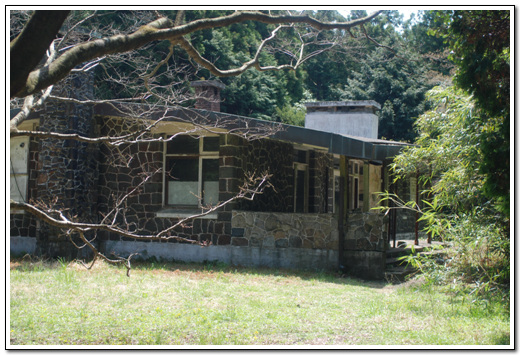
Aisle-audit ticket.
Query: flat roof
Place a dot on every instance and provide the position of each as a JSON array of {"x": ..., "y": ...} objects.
[
  {"x": 358, "y": 103},
  {"x": 213, "y": 83},
  {"x": 350, "y": 146}
]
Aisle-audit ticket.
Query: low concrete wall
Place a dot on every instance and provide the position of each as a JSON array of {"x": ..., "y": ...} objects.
[
  {"x": 22, "y": 245},
  {"x": 368, "y": 265},
  {"x": 291, "y": 258}
]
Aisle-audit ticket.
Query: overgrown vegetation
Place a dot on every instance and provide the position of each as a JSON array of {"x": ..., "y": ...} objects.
[
  {"x": 61, "y": 303},
  {"x": 455, "y": 209},
  {"x": 462, "y": 156}
]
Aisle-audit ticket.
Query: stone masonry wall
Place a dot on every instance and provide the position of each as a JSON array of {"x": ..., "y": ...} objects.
[
  {"x": 365, "y": 245},
  {"x": 321, "y": 177},
  {"x": 366, "y": 231},
  {"x": 276, "y": 158},
  {"x": 284, "y": 230},
  {"x": 132, "y": 170},
  {"x": 124, "y": 168},
  {"x": 67, "y": 169}
]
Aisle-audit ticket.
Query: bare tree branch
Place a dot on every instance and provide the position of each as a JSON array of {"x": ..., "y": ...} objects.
[
  {"x": 161, "y": 29},
  {"x": 29, "y": 47},
  {"x": 248, "y": 191}
]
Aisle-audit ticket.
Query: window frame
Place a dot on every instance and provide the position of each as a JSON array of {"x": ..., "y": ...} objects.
[
  {"x": 201, "y": 155},
  {"x": 356, "y": 184},
  {"x": 301, "y": 162},
  {"x": 19, "y": 173},
  {"x": 305, "y": 168}
]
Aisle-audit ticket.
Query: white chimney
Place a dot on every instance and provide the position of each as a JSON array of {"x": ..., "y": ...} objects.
[{"x": 353, "y": 118}]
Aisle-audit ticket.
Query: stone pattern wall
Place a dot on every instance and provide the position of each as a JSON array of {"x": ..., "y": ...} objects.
[
  {"x": 366, "y": 231},
  {"x": 67, "y": 169},
  {"x": 132, "y": 170},
  {"x": 284, "y": 230},
  {"x": 274, "y": 157},
  {"x": 231, "y": 177},
  {"x": 365, "y": 246},
  {"x": 118, "y": 175},
  {"x": 321, "y": 175},
  {"x": 124, "y": 168}
]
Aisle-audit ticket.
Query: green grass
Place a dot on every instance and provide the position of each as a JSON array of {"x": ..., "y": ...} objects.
[{"x": 190, "y": 304}]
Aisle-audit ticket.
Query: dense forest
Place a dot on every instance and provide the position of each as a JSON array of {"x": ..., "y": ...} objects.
[{"x": 397, "y": 75}]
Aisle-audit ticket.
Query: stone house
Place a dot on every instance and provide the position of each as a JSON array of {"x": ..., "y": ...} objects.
[{"x": 326, "y": 177}]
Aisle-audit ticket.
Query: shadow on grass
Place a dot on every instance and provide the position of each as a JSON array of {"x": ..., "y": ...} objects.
[
  {"x": 30, "y": 264},
  {"x": 502, "y": 339},
  {"x": 317, "y": 275}
]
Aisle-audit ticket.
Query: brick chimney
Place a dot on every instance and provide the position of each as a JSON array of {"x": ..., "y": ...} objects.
[{"x": 208, "y": 94}]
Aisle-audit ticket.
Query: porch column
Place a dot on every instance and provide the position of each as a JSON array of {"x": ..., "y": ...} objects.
[
  {"x": 343, "y": 208},
  {"x": 366, "y": 186}
]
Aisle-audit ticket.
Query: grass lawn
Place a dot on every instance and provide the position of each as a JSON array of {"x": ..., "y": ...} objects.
[{"x": 190, "y": 304}]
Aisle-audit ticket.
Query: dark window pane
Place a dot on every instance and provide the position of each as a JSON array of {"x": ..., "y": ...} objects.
[
  {"x": 301, "y": 156},
  {"x": 209, "y": 169},
  {"x": 182, "y": 169},
  {"x": 210, "y": 183},
  {"x": 300, "y": 191},
  {"x": 183, "y": 145},
  {"x": 356, "y": 193},
  {"x": 182, "y": 182},
  {"x": 211, "y": 144}
]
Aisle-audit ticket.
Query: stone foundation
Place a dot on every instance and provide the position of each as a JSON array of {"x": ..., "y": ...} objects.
[
  {"x": 284, "y": 230},
  {"x": 366, "y": 231},
  {"x": 364, "y": 253}
]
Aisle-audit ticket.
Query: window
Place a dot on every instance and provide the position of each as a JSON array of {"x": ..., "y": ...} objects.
[
  {"x": 301, "y": 182},
  {"x": 19, "y": 168},
  {"x": 355, "y": 181},
  {"x": 336, "y": 196},
  {"x": 191, "y": 171}
]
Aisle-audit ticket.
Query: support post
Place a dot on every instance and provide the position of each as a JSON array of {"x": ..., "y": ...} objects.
[
  {"x": 416, "y": 242},
  {"x": 343, "y": 207},
  {"x": 366, "y": 187}
]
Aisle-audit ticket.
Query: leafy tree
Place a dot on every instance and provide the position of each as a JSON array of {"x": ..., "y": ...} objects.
[
  {"x": 397, "y": 82},
  {"x": 462, "y": 153},
  {"x": 480, "y": 42},
  {"x": 294, "y": 115},
  {"x": 330, "y": 70},
  {"x": 447, "y": 156}
]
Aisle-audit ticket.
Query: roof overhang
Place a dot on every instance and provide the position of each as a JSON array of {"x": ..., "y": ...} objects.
[{"x": 353, "y": 147}]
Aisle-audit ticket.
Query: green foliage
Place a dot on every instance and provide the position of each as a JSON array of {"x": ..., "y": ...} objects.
[
  {"x": 447, "y": 155},
  {"x": 480, "y": 44},
  {"x": 397, "y": 85},
  {"x": 294, "y": 115},
  {"x": 355, "y": 70},
  {"x": 398, "y": 81},
  {"x": 291, "y": 115}
]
